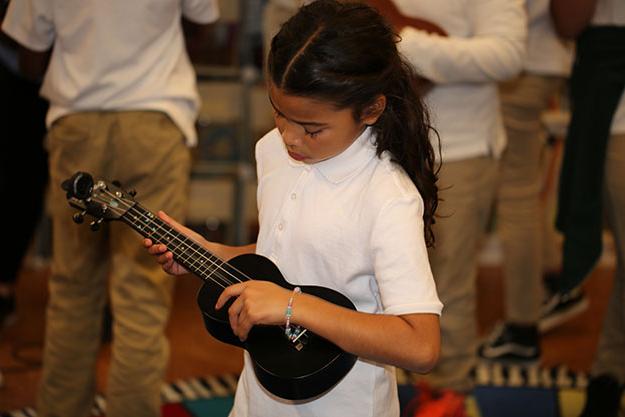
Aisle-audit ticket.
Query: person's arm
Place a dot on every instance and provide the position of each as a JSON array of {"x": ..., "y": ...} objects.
[
  {"x": 198, "y": 17},
  {"x": 570, "y": 17},
  {"x": 494, "y": 51},
  {"x": 33, "y": 64},
  {"x": 410, "y": 341},
  {"x": 399, "y": 20},
  {"x": 30, "y": 24},
  {"x": 196, "y": 36}
]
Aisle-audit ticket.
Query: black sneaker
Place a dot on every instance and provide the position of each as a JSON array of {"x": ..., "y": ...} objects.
[
  {"x": 560, "y": 307},
  {"x": 7, "y": 310},
  {"x": 511, "y": 343},
  {"x": 603, "y": 397}
]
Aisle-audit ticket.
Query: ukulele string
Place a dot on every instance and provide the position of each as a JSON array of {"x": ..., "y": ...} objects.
[
  {"x": 166, "y": 226},
  {"x": 172, "y": 238},
  {"x": 196, "y": 258}
]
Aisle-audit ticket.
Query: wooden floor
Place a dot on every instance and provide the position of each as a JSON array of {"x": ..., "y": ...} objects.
[{"x": 194, "y": 353}]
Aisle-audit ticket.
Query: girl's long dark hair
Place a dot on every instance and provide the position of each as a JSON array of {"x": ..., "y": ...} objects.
[{"x": 345, "y": 53}]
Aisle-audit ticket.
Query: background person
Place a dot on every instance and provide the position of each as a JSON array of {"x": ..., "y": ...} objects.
[
  {"x": 485, "y": 45},
  {"x": 123, "y": 101},
  {"x": 593, "y": 177},
  {"x": 519, "y": 206}
]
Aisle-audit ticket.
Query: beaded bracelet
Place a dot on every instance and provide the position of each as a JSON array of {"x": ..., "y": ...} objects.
[{"x": 289, "y": 312}]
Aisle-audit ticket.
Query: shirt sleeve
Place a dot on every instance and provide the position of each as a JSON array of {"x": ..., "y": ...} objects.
[
  {"x": 400, "y": 259},
  {"x": 30, "y": 23},
  {"x": 200, "y": 11},
  {"x": 494, "y": 50}
]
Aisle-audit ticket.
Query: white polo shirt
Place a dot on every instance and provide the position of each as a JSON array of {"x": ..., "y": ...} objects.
[
  {"x": 486, "y": 44},
  {"x": 353, "y": 223},
  {"x": 547, "y": 53},
  {"x": 114, "y": 54}
]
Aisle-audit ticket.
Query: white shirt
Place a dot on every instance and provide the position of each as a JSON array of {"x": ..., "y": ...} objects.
[
  {"x": 485, "y": 44},
  {"x": 353, "y": 223},
  {"x": 612, "y": 13},
  {"x": 114, "y": 54},
  {"x": 547, "y": 53},
  {"x": 609, "y": 13}
]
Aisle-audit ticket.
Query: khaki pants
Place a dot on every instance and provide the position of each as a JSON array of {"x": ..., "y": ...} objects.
[
  {"x": 520, "y": 213},
  {"x": 467, "y": 190},
  {"x": 610, "y": 357},
  {"x": 145, "y": 151}
]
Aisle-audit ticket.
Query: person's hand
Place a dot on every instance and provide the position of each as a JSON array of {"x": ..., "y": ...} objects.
[
  {"x": 162, "y": 254},
  {"x": 257, "y": 302},
  {"x": 399, "y": 21}
]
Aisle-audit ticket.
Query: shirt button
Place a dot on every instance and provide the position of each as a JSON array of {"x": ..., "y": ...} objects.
[
  {"x": 293, "y": 196},
  {"x": 280, "y": 226}
]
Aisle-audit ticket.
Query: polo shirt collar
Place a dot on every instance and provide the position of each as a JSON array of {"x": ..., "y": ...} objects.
[{"x": 350, "y": 161}]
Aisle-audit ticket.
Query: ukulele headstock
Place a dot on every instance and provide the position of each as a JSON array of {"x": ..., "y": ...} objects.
[{"x": 99, "y": 199}]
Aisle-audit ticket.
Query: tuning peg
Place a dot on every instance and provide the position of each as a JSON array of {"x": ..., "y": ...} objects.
[
  {"x": 67, "y": 185},
  {"x": 79, "y": 217},
  {"x": 132, "y": 192},
  {"x": 79, "y": 186},
  {"x": 117, "y": 183},
  {"x": 95, "y": 225}
]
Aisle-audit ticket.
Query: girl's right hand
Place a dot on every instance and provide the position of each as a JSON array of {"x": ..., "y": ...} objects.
[{"x": 164, "y": 256}]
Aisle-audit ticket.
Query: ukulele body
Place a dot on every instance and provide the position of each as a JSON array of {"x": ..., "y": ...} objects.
[{"x": 296, "y": 370}]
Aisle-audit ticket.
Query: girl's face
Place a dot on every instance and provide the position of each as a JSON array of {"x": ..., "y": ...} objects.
[{"x": 314, "y": 130}]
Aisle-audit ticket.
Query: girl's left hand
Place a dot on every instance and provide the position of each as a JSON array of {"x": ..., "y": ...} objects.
[{"x": 257, "y": 302}]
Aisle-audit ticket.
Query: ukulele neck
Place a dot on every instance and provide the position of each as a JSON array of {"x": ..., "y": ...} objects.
[{"x": 190, "y": 254}]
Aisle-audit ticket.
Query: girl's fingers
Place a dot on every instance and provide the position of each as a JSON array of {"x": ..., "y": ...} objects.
[
  {"x": 167, "y": 264},
  {"x": 231, "y": 291},
  {"x": 233, "y": 315},
  {"x": 163, "y": 258},
  {"x": 244, "y": 325},
  {"x": 154, "y": 248},
  {"x": 157, "y": 249},
  {"x": 239, "y": 319},
  {"x": 236, "y": 312}
]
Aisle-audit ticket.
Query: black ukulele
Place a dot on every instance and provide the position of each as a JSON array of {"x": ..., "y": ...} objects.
[{"x": 296, "y": 368}]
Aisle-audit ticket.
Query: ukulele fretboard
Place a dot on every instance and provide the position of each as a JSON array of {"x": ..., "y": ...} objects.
[{"x": 187, "y": 252}]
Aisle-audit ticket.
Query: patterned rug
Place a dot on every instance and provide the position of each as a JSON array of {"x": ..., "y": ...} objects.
[{"x": 501, "y": 391}]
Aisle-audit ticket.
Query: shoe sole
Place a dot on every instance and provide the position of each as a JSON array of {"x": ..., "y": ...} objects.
[{"x": 547, "y": 324}]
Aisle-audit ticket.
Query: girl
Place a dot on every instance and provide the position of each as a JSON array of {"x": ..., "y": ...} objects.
[{"x": 346, "y": 197}]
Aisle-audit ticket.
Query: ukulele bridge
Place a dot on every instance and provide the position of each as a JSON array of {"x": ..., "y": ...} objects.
[{"x": 299, "y": 338}]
